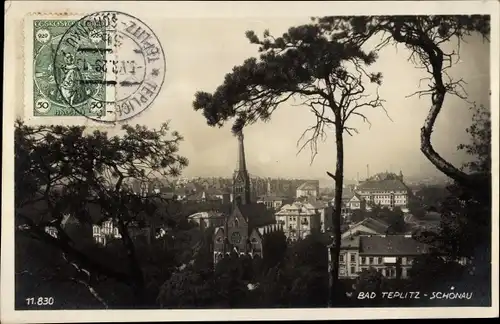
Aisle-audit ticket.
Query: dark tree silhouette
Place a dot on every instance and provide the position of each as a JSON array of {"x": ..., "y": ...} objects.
[
  {"x": 62, "y": 171},
  {"x": 327, "y": 74}
]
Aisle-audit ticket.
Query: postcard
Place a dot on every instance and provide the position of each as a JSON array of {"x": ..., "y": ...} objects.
[{"x": 199, "y": 161}]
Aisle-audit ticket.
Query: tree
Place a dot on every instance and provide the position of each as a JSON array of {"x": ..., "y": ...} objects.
[
  {"x": 64, "y": 171},
  {"x": 274, "y": 247},
  {"x": 369, "y": 283},
  {"x": 299, "y": 280},
  {"x": 470, "y": 199},
  {"x": 358, "y": 215},
  {"x": 395, "y": 219},
  {"x": 424, "y": 36},
  {"x": 465, "y": 229},
  {"x": 325, "y": 73}
]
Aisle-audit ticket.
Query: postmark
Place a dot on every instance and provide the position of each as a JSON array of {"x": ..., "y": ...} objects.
[{"x": 106, "y": 67}]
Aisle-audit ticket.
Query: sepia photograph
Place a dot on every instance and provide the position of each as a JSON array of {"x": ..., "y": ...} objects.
[{"x": 197, "y": 161}]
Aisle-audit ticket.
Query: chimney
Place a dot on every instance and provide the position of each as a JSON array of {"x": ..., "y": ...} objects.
[{"x": 367, "y": 171}]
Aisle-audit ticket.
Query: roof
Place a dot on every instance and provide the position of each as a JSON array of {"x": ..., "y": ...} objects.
[
  {"x": 317, "y": 204},
  {"x": 347, "y": 193},
  {"x": 206, "y": 214},
  {"x": 303, "y": 208},
  {"x": 272, "y": 198},
  {"x": 391, "y": 245},
  {"x": 351, "y": 242},
  {"x": 256, "y": 214},
  {"x": 215, "y": 191},
  {"x": 386, "y": 184},
  {"x": 374, "y": 224},
  {"x": 308, "y": 185}
]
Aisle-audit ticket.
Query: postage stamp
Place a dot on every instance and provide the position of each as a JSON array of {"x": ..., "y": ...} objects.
[{"x": 106, "y": 67}]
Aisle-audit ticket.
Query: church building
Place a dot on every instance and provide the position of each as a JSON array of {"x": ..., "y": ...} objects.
[{"x": 244, "y": 229}]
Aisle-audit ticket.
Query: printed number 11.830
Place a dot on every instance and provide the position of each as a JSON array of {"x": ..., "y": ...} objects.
[{"x": 40, "y": 301}]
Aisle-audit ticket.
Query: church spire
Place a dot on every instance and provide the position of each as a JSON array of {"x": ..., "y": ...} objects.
[
  {"x": 242, "y": 166},
  {"x": 241, "y": 179}
]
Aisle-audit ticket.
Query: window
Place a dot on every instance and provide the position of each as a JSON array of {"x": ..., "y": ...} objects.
[
  {"x": 236, "y": 223},
  {"x": 353, "y": 257},
  {"x": 380, "y": 260},
  {"x": 363, "y": 260},
  {"x": 341, "y": 258},
  {"x": 353, "y": 270}
]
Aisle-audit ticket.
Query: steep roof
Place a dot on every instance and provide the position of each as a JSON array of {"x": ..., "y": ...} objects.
[
  {"x": 215, "y": 191},
  {"x": 374, "y": 224},
  {"x": 308, "y": 185},
  {"x": 272, "y": 198},
  {"x": 386, "y": 184},
  {"x": 256, "y": 214},
  {"x": 347, "y": 193},
  {"x": 391, "y": 245},
  {"x": 351, "y": 242},
  {"x": 317, "y": 204}
]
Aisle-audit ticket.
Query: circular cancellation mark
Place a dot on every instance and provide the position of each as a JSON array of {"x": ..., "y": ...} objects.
[{"x": 109, "y": 66}]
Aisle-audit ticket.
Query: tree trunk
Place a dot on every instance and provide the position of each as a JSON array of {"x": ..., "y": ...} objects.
[
  {"x": 135, "y": 268},
  {"x": 334, "y": 292},
  {"x": 425, "y": 140}
]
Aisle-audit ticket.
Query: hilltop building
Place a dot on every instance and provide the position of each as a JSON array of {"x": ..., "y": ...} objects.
[
  {"x": 386, "y": 190},
  {"x": 244, "y": 230}
]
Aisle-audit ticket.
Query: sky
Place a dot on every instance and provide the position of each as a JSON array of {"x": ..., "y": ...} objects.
[{"x": 199, "y": 52}]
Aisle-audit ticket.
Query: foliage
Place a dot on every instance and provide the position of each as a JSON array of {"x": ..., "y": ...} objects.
[
  {"x": 324, "y": 73},
  {"x": 480, "y": 146},
  {"x": 394, "y": 218},
  {"x": 275, "y": 246},
  {"x": 428, "y": 198},
  {"x": 465, "y": 230},
  {"x": 300, "y": 280},
  {"x": 61, "y": 171},
  {"x": 358, "y": 215}
]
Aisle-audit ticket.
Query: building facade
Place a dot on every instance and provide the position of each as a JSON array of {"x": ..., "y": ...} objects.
[
  {"x": 391, "y": 255},
  {"x": 273, "y": 202},
  {"x": 243, "y": 230},
  {"x": 386, "y": 190},
  {"x": 299, "y": 219},
  {"x": 308, "y": 189}
]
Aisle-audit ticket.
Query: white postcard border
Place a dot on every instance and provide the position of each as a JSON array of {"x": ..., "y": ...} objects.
[{"x": 13, "y": 91}]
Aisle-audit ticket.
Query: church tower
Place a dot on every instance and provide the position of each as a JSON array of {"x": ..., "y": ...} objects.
[{"x": 241, "y": 179}]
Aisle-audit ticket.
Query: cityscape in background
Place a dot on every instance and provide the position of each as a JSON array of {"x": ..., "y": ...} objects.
[{"x": 298, "y": 208}]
